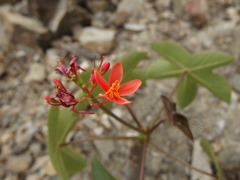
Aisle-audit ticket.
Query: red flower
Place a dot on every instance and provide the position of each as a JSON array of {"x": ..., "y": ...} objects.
[
  {"x": 113, "y": 90},
  {"x": 72, "y": 70},
  {"x": 65, "y": 98}
]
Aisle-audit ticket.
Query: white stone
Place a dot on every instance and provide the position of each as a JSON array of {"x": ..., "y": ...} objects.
[
  {"x": 101, "y": 40},
  {"x": 200, "y": 161},
  {"x": 19, "y": 163},
  {"x": 36, "y": 73}
]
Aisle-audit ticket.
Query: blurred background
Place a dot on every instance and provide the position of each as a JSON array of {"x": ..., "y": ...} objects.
[{"x": 34, "y": 34}]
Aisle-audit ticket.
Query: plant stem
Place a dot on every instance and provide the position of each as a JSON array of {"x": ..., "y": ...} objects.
[
  {"x": 120, "y": 120},
  {"x": 133, "y": 115},
  {"x": 181, "y": 161},
  {"x": 95, "y": 138},
  {"x": 177, "y": 84},
  {"x": 110, "y": 113},
  {"x": 179, "y": 80},
  {"x": 156, "y": 125},
  {"x": 143, "y": 159}
]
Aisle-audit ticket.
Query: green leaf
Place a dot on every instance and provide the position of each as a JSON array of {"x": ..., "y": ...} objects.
[
  {"x": 208, "y": 59},
  {"x": 130, "y": 61},
  {"x": 172, "y": 52},
  {"x": 136, "y": 74},
  {"x": 72, "y": 160},
  {"x": 65, "y": 160},
  {"x": 215, "y": 83},
  {"x": 162, "y": 69},
  {"x": 186, "y": 91},
  {"x": 99, "y": 172},
  {"x": 209, "y": 151},
  {"x": 198, "y": 67}
]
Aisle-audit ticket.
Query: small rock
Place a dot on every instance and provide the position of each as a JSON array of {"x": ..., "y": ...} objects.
[
  {"x": 11, "y": 177},
  {"x": 52, "y": 55},
  {"x": 22, "y": 29},
  {"x": 201, "y": 161},
  {"x": 39, "y": 163},
  {"x": 62, "y": 21},
  {"x": 49, "y": 169},
  {"x": 42, "y": 9},
  {"x": 19, "y": 163},
  {"x": 6, "y": 150},
  {"x": 235, "y": 82},
  {"x": 198, "y": 12},
  {"x": 100, "y": 40},
  {"x": 134, "y": 27},
  {"x": 18, "y": 19},
  {"x": 33, "y": 177},
  {"x": 162, "y": 5},
  {"x": 97, "y": 5},
  {"x": 105, "y": 148},
  {"x": 217, "y": 146},
  {"x": 5, "y": 137},
  {"x": 126, "y": 9},
  {"x": 35, "y": 149},
  {"x": 36, "y": 73}
]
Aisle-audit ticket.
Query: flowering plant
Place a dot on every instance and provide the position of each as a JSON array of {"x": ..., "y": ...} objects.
[{"x": 125, "y": 78}]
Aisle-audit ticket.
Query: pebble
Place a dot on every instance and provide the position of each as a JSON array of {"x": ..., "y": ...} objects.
[
  {"x": 235, "y": 82},
  {"x": 36, "y": 73},
  {"x": 96, "y": 39},
  {"x": 105, "y": 148},
  {"x": 201, "y": 161},
  {"x": 19, "y": 163},
  {"x": 134, "y": 27},
  {"x": 33, "y": 177},
  {"x": 35, "y": 149}
]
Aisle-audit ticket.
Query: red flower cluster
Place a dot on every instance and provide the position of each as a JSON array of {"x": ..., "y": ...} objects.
[{"x": 113, "y": 90}]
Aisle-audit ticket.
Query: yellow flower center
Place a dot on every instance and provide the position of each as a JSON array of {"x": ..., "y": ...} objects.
[{"x": 113, "y": 93}]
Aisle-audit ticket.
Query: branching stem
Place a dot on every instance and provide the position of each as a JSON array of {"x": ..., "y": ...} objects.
[
  {"x": 96, "y": 138},
  {"x": 184, "y": 163},
  {"x": 110, "y": 113},
  {"x": 143, "y": 159},
  {"x": 170, "y": 96},
  {"x": 133, "y": 116}
]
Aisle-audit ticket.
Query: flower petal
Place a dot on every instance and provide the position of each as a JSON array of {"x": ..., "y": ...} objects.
[
  {"x": 122, "y": 101},
  {"x": 129, "y": 87},
  {"x": 101, "y": 81},
  {"x": 116, "y": 73}
]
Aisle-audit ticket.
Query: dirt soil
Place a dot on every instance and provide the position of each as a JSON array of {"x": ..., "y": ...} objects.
[{"x": 35, "y": 34}]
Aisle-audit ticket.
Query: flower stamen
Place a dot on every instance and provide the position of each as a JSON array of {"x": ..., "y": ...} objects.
[{"x": 113, "y": 93}]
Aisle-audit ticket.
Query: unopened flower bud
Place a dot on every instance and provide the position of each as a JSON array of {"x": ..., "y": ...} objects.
[{"x": 105, "y": 67}]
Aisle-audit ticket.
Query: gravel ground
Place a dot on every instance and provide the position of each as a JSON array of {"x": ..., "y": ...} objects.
[{"x": 35, "y": 34}]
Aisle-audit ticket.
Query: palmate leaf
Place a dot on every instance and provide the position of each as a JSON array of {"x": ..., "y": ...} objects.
[
  {"x": 198, "y": 67},
  {"x": 65, "y": 160},
  {"x": 186, "y": 91},
  {"x": 99, "y": 172}
]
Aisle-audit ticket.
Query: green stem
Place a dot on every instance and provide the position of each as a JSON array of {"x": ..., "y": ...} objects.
[
  {"x": 99, "y": 138},
  {"x": 184, "y": 163}
]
